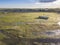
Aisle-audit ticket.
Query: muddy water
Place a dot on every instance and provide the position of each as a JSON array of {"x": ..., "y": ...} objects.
[
  {"x": 46, "y": 42},
  {"x": 49, "y": 44}
]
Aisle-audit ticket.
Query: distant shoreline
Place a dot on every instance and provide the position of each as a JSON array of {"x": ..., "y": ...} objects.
[{"x": 30, "y": 10}]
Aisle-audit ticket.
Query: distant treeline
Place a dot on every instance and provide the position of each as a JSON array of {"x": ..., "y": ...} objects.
[{"x": 30, "y": 10}]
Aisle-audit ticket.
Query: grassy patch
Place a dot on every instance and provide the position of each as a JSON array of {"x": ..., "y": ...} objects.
[{"x": 27, "y": 22}]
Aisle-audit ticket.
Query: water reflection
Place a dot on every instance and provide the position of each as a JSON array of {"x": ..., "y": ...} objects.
[{"x": 52, "y": 33}]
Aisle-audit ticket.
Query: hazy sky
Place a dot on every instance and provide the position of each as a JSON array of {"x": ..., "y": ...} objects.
[{"x": 29, "y": 4}]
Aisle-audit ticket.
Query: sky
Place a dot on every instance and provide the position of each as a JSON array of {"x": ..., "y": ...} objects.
[{"x": 29, "y": 3}]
